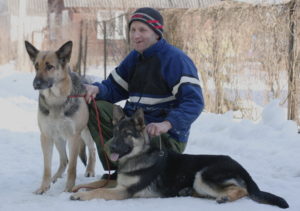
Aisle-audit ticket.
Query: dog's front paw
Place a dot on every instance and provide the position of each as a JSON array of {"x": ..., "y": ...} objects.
[
  {"x": 89, "y": 173},
  {"x": 42, "y": 190},
  {"x": 69, "y": 187},
  {"x": 82, "y": 196},
  {"x": 75, "y": 197},
  {"x": 222, "y": 199}
]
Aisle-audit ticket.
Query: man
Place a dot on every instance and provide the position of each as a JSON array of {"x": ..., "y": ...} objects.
[{"x": 155, "y": 76}]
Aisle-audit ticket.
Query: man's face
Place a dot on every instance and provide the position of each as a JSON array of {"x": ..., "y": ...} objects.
[{"x": 141, "y": 36}]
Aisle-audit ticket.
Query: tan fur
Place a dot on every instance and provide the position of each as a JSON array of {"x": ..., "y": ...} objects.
[
  {"x": 110, "y": 192},
  {"x": 97, "y": 184},
  {"x": 117, "y": 193},
  {"x": 234, "y": 192},
  {"x": 56, "y": 128}
]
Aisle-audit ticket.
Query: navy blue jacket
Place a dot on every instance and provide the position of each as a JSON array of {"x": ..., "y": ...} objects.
[{"x": 163, "y": 81}]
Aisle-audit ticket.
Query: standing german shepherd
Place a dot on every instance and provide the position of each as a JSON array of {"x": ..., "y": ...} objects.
[
  {"x": 61, "y": 118},
  {"x": 146, "y": 171}
]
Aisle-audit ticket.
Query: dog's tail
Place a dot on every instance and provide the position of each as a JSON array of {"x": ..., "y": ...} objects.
[
  {"x": 82, "y": 153},
  {"x": 263, "y": 197}
]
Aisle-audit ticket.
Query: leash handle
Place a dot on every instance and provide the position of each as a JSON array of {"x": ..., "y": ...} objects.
[
  {"x": 161, "y": 152},
  {"x": 160, "y": 146}
]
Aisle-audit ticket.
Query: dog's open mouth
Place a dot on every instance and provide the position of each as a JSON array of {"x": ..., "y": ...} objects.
[{"x": 114, "y": 156}]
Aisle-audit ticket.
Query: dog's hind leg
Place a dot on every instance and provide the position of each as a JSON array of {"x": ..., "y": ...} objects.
[
  {"x": 73, "y": 143},
  {"x": 88, "y": 140},
  {"x": 47, "y": 148},
  {"x": 60, "y": 145},
  {"x": 215, "y": 183},
  {"x": 202, "y": 188},
  {"x": 82, "y": 152},
  {"x": 231, "y": 193}
]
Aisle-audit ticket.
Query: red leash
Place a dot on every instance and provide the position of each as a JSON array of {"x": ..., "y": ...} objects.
[{"x": 100, "y": 135}]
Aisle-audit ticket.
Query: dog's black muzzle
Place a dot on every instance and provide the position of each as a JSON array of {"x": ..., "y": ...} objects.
[
  {"x": 120, "y": 148},
  {"x": 40, "y": 84}
]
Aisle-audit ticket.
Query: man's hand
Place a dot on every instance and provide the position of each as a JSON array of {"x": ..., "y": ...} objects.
[
  {"x": 91, "y": 92},
  {"x": 156, "y": 129}
]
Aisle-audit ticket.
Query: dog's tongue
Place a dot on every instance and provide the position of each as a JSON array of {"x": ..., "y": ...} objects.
[{"x": 114, "y": 156}]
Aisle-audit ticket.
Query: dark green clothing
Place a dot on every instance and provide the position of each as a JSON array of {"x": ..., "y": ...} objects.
[{"x": 105, "y": 112}]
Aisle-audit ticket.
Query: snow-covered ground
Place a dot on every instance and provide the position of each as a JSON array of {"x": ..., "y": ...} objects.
[{"x": 268, "y": 149}]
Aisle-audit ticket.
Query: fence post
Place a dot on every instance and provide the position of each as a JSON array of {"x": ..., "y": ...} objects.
[
  {"x": 21, "y": 62},
  {"x": 104, "y": 49},
  {"x": 85, "y": 50},
  {"x": 292, "y": 113},
  {"x": 78, "y": 64}
]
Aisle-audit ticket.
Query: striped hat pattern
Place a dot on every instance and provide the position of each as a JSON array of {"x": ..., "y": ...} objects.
[{"x": 151, "y": 17}]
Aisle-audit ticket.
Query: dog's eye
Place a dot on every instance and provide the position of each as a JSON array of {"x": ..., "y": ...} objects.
[{"x": 49, "y": 66}]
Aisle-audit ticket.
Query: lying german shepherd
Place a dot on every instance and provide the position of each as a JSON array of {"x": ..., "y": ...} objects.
[
  {"x": 61, "y": 118},
  {"x": 146, "y": 171}
]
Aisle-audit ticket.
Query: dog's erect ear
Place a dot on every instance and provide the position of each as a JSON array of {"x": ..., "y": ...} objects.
[
  {"x": 138, "y": 118},
  {"x": 31, "y": 50},
  {"x": 64, "y": 52},
  {"x": 118, "y": 114}
]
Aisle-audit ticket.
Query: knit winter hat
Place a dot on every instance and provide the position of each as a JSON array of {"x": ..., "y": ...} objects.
[{"x": 151, "y": 17}]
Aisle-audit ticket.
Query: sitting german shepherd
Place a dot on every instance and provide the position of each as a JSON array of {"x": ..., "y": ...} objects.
[
  {"x": 146, "y": 171},
  {"x": 61, "y": 118}
]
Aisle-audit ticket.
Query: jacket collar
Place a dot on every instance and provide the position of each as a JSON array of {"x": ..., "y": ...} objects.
[{"x": 158, "y": 46}]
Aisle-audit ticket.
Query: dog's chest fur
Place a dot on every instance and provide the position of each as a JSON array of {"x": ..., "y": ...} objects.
[
  {"x": 53, "y": 103},
  {"x": 58, "y": 107},
  {"x": 56, "y": 111}
]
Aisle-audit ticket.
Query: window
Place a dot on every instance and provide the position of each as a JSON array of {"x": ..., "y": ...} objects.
[
  {"x": 65, "y": 17},
  {"x": 115, "y": 24}
]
